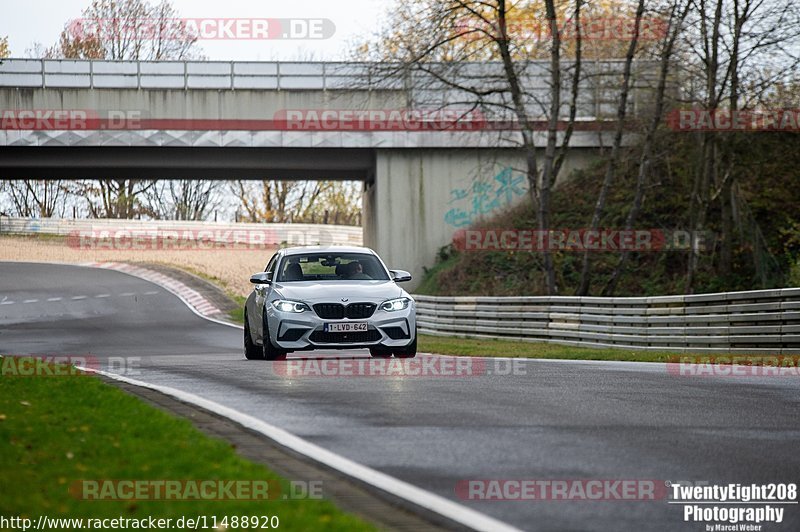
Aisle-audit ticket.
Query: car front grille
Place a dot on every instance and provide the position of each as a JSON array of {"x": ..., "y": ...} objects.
[
  {"x": 360, "y": 337},
  {"x": 337, "y": 311}
]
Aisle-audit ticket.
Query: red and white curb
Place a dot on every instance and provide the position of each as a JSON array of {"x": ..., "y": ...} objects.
[{"x": 184, "y": 292}]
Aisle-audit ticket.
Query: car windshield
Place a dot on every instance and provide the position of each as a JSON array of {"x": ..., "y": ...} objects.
[{"x": 331, "y": 267}]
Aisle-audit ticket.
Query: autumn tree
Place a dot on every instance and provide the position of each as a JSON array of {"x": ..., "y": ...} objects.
[
  {"x": 479, "y": 49},
  {"x": 183, "y": 199},
  {"x": 35, "y": 198},
  {"x": 5, "y": 51},
  {"x": 128, "y": 30},
  {"x": 131, "y": 30},
  {"x": 337, "y": 202},
  {"x": 736, "y": 51}
]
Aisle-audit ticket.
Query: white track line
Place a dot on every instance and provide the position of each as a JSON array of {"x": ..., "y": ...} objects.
[
  {"x": 422, "y": 498},
  {"x": 401, "y": 489}
]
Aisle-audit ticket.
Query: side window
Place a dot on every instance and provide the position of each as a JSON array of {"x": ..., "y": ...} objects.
[{"x": 271, "y": 265}]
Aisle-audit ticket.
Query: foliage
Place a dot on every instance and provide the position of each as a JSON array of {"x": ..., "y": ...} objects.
[
  {"x": 5, "y": 51},
  {"x": 336, "y": 202},
  {"x": 768, "y": 196},
  {"x": 127, "y": 30}
]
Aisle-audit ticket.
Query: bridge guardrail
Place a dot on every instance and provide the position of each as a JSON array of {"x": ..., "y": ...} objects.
[
  {"x": 276, "y": 233},
  {"x": 759, "y": 321},
  {"x": 598, "y": 99},
  {"x": 101, "y": 74}
]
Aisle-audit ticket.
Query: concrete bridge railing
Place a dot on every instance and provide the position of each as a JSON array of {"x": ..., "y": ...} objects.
[{"x": 761, "y": 321}]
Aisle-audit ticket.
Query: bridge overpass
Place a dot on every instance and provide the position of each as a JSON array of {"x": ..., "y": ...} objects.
[{"x": 273, "y": 120}]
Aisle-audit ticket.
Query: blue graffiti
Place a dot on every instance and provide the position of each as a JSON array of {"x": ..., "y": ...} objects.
[{"x": 483, "y": 198}]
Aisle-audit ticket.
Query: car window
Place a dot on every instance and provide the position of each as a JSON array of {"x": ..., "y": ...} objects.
[
  {"x": 331, "y": 267},
  {"x": 271, "y": 264}
]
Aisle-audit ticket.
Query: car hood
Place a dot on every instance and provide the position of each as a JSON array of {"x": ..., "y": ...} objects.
[{"x": 334, "y": 291}]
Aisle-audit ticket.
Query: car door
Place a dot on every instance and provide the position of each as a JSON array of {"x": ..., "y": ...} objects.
[{"x": 262, "y": 292}]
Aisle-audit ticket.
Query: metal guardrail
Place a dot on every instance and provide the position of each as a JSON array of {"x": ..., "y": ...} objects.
[
  {"x": 599, "y": 97},
  {"x": 234, "y": 233},
  {"x": 67, "y": 73},
  {"x": 760, "y": 321}
]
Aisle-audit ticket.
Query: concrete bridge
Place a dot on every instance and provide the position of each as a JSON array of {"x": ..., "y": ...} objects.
[{"x": 425, "y": 174}]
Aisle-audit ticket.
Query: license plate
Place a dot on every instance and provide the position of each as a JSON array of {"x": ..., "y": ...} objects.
[{"x": 345, "y": 326}]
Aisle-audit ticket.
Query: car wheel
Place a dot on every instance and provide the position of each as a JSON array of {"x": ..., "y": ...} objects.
[
  {"x": 269, "y": 351},
  {"x": 380, "y": 352},
  {"x": 251, "y": 350},
  {"x": 409, "y": 351}
]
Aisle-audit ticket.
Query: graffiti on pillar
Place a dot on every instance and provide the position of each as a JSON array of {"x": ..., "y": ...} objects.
[{"x": 469, "y": 204}]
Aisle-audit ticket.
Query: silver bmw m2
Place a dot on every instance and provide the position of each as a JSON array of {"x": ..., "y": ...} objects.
[{"x": 329, "y": 298}]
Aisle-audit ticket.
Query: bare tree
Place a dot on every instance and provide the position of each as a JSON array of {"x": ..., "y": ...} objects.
[
  {"x": 36, "y": 197},
  {"x": 732, "y": 40},
  {"x": 336, "y": 202},
  {"x": 124, "y": 30},
  {"x": 183, "y": 199},
  {"x": 676, "y": 14},
  {"x": 128, "y": 30},
  {"x": 114, "y": 198},
  {"x": 616, "y": 147},
  {"x": 443, "y": 41}
]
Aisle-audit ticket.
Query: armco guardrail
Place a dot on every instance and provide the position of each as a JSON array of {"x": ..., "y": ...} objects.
[
  {"x": 601, "y": 78},
  {"x": 273, "y": 233},
  {"x": 760, "y": 321}
]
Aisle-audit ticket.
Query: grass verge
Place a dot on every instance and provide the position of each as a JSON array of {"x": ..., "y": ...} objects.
[
  {"x": 450, "y": 345},
  {"x": 57, "y": 431},
  {"x": 237, "y": 314}
]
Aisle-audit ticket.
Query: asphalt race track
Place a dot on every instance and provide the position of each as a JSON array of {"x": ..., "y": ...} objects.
[{"x": 550, "y": 420}]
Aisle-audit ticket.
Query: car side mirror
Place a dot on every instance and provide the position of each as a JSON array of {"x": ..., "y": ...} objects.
[
  {"x": 261, "y": 278},
  {"x": 400, "y": 276}
]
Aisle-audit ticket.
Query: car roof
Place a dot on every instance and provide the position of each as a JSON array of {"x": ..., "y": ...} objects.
[{"x": 300, "y": 250}]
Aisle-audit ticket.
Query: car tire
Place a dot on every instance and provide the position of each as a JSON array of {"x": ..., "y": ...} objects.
[
  {"x": 251, "y": 350},
  {"x": 409, "y": 351},
  {"x": 380, "y": 352},
  {"x": 269, "y": 351}
]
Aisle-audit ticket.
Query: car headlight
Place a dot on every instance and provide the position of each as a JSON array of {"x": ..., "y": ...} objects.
[
  {"x": 285, "y": 305},
  {"x": 395, "y": 304}
]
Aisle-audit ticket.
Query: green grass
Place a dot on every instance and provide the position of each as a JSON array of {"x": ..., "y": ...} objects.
[
  {"x": 449, "y": 345},
  {"x": 429, "y": 283},
  {"x": 237, "y": 314},
  {"x": 55, "y": 431}
]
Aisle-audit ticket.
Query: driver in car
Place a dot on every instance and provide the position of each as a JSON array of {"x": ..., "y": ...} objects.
[{"x": 354, "y": 270}]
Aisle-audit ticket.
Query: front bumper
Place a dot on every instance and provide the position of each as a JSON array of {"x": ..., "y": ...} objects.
[{"x": 304, "y": 331}]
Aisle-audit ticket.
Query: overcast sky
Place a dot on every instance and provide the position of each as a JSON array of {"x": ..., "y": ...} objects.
[{"x": 29, "y": 21}]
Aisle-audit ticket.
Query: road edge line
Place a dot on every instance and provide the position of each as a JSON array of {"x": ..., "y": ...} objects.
[{"x": 398, "y": 488}]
